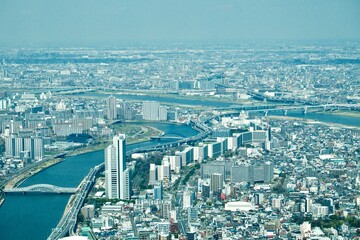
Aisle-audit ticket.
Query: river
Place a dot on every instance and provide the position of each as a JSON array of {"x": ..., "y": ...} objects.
[
  {"x": 162, "y": 99},
  {"x": 322, "y": 117},
  {"x": 32, "y": 216}
]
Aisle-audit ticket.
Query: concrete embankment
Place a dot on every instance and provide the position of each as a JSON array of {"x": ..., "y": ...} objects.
[{"x": 30, "y": 172}]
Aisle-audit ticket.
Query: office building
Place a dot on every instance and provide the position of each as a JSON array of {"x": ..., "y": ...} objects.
[
  {"x": 165, "y": 209},
  {"x": 111, "y": 108},
  {"x": 9, "y": 147},
  {"x": 252, "y": 173},
  {"x": 193, "y": 214},
  {"x": 216, "y": 182},
  {"x": 166, "y": 174},
  {"x": 258, "y": 198},
  {"x": 214, "y": 149},
  {"x": 276, "y": 203},
  {"x": 163, "y": 228},
  {"x": 188, "y": 198},
  {"x": 158, "y": 191},
  {"x": 212, "y": 167},
  {"x": 37, "y": 152},
  {"x": 19, "y": 146},
  {"x": 205, "y": 191},
  {"x": 15, "y": 146},
  {"x": 88, "y": 211},
  {"x": 187, "y": 156},
  {"x": 150, "y": 110},
  {"x": 200, "y": 153},
  {"x": 117, "y": 177},
  {"x": 162, "y": 113},
  {"x": 175, "y": 163},
  {"x": 152, "y": 174}
]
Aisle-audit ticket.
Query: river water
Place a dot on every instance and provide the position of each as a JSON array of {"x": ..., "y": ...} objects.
[
  {"x": 32, "y": 216},
  {"x": 322, "y": 117},
  {"x": 183, "y": 101}
]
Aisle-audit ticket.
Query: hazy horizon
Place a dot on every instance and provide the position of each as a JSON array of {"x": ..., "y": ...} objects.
[{"x": 110, "y": 22}]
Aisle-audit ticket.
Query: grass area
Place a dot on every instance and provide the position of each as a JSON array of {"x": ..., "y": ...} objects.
[
  {"x": 92, "y": 148},
  {"x": 136, "y": 133},
  {"x": 141, "y": 173},
  {"x": 347, "y": 113}
]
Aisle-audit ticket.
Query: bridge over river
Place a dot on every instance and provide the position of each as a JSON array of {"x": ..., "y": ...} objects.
[{"x": 41, "y": 188}]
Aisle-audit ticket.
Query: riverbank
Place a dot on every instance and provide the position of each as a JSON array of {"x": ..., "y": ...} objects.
[
  {"x": 134, "y": 134},
  {"x": 146, "y": 133},
  {"x": 312, "y": 121},
  {"x": 346, "y": 113},
  {"x": 180, "y": 96},
  {"x": 2, "y": 198},
  {"x": 30, "y": 172}
]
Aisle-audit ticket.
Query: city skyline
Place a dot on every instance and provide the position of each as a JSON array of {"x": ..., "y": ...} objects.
[
  {"x": 219, "y": 136},
  {"x": 180, "y": 119}
]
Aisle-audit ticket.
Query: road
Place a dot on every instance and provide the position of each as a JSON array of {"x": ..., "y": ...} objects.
[{"x": 67, "y": 223}]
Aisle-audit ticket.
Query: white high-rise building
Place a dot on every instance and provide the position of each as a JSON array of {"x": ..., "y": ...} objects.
[
  {"x": 117, "y": 177},
  {"x": 175, "y": 163},
  {"x": 15, "y": 145},
  {"x": 152, "y": 174},
  {"x": 111, "y": 108},
  {"x": 217, "y": 182},
  {"x": 276, "y": 203},
  {"x": 19, "y": 146},
  {"x": 166, "y": 171},
  {"x": 38, "y": 148},
  {"x": 60, "y": 106},
  {"x": 126, "y": 185},
  {"x": 187, "y": 199},
  {"x": 112, "y": 173},
  {"x": 9, "y": 147},
  {"x": 150, "y": 111}
]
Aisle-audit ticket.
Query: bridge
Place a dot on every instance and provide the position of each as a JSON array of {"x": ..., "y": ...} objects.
[
  {"x": 168, "y": 136},
  {"x": 67, "y": 223},
  {"x": 41, "y": 188},
  {"x": 285, "y": 107},
  {"x": 73, "y": 92}
]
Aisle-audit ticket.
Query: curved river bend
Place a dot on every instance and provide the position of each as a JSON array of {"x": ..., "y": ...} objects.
[{"x": 32, "y": 216}]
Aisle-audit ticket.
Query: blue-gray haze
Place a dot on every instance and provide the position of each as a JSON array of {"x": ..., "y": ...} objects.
[{"x": 86, "y": 22}]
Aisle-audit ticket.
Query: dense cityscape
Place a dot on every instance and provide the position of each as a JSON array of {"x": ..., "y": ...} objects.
[
  {"x": 179, "y": 120},
  {"x": 192, "y": 142}
]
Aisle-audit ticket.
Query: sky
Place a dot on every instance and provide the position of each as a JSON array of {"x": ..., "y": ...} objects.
[{"x": 91, "y": 22}]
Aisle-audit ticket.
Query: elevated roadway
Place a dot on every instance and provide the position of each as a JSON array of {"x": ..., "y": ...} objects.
[
  {"x": 67, "y": 223},
  {"x": 266, "y": 108}
]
